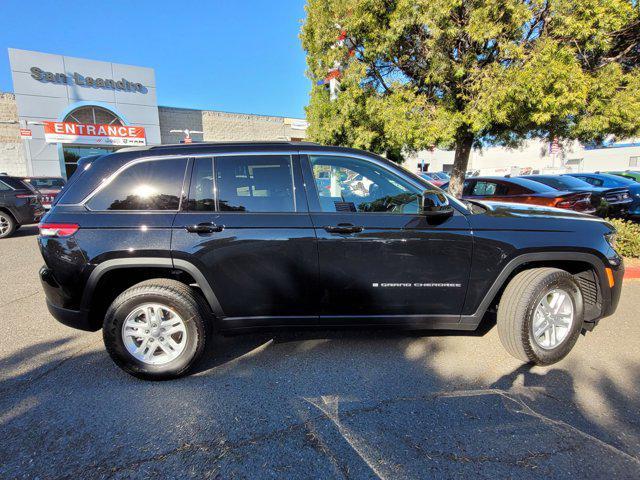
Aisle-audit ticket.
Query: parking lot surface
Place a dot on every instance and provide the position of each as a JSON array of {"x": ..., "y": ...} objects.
[{"x": 319, "y": 404}]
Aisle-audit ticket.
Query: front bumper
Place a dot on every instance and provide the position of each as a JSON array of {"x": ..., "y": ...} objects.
[{"x": 56, "y": 303}]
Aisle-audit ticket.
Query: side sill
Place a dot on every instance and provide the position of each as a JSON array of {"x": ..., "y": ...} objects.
[{"x": 402, "y": 322}]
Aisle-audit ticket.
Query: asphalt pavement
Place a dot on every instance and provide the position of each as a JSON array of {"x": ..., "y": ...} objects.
[{"x": 320, "y": 404}]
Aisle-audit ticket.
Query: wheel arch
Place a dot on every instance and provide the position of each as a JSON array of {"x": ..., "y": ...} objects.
[
  {"x": 576, "y": 263},
  {"x": 111, "y": 277}
]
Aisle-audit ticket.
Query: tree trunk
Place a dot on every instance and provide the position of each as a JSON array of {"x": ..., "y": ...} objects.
[{"x": 464, "y": 142}]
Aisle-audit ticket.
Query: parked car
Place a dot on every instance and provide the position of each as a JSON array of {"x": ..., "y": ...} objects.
[
  {"x": 523, "y": 190},
  {"x": 612, "y": 181},
  {"x": 630, "y": 174},
  {"x": 19, "y": 205},
  {"x": 607, "y": 201},
  {"x": 49, "y": 188},
  {"x": 433, "y": 179},
  {"x": 241, "y": 238}
]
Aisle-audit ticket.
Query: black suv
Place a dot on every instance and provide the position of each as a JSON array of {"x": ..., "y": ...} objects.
[
  {"x": 163, "y": 246},
  {"x": 19, "y": 204}
]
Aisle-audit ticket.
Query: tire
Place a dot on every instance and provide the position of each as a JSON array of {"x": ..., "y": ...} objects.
[
  {"x": 8, "y": 225},
  {"x": 170, "y": 301},
  {"x": 525, "y": 305}
]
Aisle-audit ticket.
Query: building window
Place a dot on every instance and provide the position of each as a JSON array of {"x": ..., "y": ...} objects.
[
  {"x": 92, "y": 114},
  {"x": 633, "y": 161}
]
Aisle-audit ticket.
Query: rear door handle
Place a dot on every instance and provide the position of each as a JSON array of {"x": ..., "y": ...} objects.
[
  {"x": 206, "y": 227},
  {"x": 344, "y": 228}
]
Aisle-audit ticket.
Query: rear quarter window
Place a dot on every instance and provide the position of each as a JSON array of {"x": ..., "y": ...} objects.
[{"x": 149, "y": 185}]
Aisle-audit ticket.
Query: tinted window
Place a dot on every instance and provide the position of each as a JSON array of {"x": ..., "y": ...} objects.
[
  {"x": 17, "y": 184},
  {"x": 201, "y": 197},
  {"x": 482, "y": 188},
  {"x": 254, "y": 183},
  {"x": 560, "y": 183},
  {"x": 4, "y": 187},
  {"x": 592, "y": 181},
  {"x": 353, "y": 185},
  {"x": 150, "y": 185}
]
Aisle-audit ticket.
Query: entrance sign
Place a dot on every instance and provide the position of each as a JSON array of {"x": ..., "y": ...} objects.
[
  {"x": 92, "y": 134},
  {"x": 26, "y": 134}
]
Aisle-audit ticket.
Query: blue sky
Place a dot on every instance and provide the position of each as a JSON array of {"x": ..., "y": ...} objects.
[{"x": 238, "y": 56}]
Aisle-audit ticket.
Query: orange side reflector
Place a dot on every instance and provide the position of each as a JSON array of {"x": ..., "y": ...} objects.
[{"x": 612, "y": 282}]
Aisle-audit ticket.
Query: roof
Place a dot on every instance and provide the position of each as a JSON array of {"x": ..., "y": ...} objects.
[{"x": 180, "y": 146}]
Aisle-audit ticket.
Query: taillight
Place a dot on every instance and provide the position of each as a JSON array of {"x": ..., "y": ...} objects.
[
  {"x": 26, "y": 195},
  {"x": 58, "y": 229}
]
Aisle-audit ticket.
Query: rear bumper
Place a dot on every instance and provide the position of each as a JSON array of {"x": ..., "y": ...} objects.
[
  {"x": 56, "y": 304},
  {"x": 71, "y": 318}
]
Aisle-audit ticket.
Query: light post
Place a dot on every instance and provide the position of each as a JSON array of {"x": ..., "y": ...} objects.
[{"x": 187, "y": 134}]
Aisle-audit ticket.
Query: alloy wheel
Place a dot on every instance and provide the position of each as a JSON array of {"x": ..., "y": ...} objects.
[{"x": 154, "y": 334}]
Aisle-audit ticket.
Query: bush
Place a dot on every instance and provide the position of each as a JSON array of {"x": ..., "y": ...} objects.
[{"x": 628, "y": 239}]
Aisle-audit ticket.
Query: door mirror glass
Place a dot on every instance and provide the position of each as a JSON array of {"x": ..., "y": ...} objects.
[{"x": 435, "y": 203}]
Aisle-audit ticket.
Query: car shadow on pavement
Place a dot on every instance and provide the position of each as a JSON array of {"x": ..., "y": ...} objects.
[
  {"x": 26, "y": 231},
  {"x": 329, "y": 404}
]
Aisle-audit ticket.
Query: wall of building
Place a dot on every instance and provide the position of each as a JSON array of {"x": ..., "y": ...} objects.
[
  {"x": 51, "y": 96},
  {"x": 533, "y": 155},
  {"x": 224, "y": 126},
  {"x": 12, "y": 154}
]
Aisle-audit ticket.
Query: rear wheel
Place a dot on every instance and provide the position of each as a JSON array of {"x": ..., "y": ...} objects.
[
  {"x": 156, "y": 329},
  {"x": 540, "y": 315},
  {"x": 7, "y": 225}
]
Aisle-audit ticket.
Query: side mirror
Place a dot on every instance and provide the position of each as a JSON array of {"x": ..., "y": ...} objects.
[{"x": 435, "y": 204}]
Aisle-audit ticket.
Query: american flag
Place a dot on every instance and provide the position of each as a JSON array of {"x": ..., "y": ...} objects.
[{"x": 554, "y": 146}]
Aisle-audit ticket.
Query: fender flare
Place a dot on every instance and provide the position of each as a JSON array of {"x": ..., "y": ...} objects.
[
  {"x": 150, "y": 262},
  {"x": 590, "y": 258}
]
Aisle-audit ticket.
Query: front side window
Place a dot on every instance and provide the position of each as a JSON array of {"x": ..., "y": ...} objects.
[
  {"x": 148, "y": 185},
  {"x": 254, "y": 183},
  {"x": 352, "y": 185}
]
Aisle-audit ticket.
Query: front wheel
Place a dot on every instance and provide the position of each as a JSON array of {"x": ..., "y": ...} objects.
[
  {"x": 156, "y": 329},
  {"x": 540, "y": 315}
]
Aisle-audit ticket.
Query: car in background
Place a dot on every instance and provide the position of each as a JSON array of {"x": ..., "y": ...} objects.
[
  {"x": 522, "y": 190},
  {"x": 612, "y": 181},
  {"x": 49, "y": 188},
  {"x": 432, "y": 178},
  {"x": 630, "y": 174},
  {"x": 607, "y": 201},
  {"x": 19, "y": 205}
]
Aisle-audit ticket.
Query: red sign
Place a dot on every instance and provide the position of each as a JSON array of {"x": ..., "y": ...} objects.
[
  {"x": 26, "y": 134},
  {"x": 93, "y": 134},
  {"x": 187, "y": 140}
]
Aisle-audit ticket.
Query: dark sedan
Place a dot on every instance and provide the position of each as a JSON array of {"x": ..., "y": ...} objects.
[
  {"x": 522, "y": 190},
  {"x": 613, "y": 181},
  {"x": 607, "y": 201}
]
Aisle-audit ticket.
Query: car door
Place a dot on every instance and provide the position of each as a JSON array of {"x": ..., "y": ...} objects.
[
  {"x": 246, "y": 227},
  {"x": 378, "y": 256}
]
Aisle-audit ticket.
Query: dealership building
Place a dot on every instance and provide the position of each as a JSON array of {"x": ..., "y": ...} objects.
[{"x": 63, "y": 108}]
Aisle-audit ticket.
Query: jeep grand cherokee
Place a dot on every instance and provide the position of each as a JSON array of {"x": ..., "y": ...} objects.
[{"x": 163, "y": 246}]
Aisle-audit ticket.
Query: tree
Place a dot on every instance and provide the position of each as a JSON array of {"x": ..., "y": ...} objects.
[{"x": 467, "y": 73}]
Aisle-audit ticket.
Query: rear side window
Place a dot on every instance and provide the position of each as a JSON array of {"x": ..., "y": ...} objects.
[
  {"x": 148, "y": 185},
  {"x": 4, "y": 187},
  {"x": 254, "y": 183}
]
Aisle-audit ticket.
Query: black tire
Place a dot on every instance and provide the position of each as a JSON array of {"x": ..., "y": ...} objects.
[
  {"x": 516, "y": 314},
  {"x": 9, "y": 223},
  {"x": 183, "y": 300}
]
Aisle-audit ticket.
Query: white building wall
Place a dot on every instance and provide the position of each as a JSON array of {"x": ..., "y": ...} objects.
[{"x": 533, "y": 155}]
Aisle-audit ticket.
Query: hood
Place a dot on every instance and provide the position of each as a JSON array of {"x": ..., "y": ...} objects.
[{"x": 523, "y": 210}]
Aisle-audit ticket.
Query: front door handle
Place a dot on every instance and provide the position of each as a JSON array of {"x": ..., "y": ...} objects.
[
  {"x": 206, "y": 227},
  {"x": 344, "y": 228}
]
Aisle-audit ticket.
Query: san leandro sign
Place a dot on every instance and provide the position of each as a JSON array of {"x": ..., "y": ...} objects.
[{"x": 86, "y": 81}]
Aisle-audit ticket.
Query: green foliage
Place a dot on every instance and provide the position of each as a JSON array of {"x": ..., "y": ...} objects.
[
  {"x": 628, "y": 238},
  {"x": 456, "y": 73}
]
